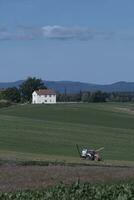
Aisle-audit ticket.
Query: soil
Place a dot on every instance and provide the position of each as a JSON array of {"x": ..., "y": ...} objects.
[{"x": 14, "y": 178}]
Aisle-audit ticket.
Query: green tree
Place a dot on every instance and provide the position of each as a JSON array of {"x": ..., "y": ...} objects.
[
  {"x": 28, "y": 86},
  {"x": 85, "y": 96},
  {"x": 98, "y": 96},
  {"x": 11, "y": 94}
]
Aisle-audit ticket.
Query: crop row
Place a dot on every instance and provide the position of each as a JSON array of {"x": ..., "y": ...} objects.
[{"x": 76, "y": 191}]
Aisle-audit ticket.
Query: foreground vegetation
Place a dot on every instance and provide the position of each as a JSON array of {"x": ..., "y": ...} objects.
[{"x": 76, "y": 191}]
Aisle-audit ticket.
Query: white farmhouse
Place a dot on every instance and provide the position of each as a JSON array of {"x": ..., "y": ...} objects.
[{"x": 46, "y": 96}]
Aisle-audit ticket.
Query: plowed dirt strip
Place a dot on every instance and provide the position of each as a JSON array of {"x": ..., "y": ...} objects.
[{"x": 21, "y": 177}]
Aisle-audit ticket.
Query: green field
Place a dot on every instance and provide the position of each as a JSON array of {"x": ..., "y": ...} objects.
[{"x": 52, "y": 131}]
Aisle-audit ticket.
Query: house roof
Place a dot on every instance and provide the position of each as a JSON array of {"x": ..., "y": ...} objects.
[{"x": 45, "y": 92}]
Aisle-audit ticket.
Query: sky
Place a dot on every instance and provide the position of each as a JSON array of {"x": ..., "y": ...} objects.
[{"x": 77, "y": 40}]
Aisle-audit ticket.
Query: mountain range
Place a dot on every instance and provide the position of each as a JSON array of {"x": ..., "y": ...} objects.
[{"x": 73, "y": 87}]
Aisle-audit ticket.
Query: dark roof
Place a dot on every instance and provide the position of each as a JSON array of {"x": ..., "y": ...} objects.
[{"x": 45, "y": 92}]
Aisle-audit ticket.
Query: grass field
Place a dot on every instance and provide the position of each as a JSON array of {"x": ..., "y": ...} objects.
[{"x": 51, "y": 131}]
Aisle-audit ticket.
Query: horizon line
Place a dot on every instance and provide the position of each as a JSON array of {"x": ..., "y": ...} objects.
[{"x": 75, "y": 81}]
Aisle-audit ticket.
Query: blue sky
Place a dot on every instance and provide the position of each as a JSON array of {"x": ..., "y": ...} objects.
[{"x": 79, "y": 40}]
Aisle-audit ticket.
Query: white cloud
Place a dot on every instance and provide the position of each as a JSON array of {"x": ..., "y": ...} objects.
[
  {"x": 53, "y": 32},
  {"x": 5, "y": 34},
  {"x": 59, "y": 32}
]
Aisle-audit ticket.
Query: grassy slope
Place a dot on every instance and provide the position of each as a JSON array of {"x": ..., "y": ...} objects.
[{"x": 55, "y": 129}]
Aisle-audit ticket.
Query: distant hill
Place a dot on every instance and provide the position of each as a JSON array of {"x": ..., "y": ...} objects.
[
  {"x": 69, "y": 86},
  {"x": 73, "y": 87},
  {"x": 10, "y": 84}
]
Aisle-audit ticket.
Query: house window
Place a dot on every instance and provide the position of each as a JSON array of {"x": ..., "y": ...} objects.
[{"x": 50, "y": 95}]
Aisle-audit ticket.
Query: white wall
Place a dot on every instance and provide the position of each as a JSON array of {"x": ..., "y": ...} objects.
[{"x": 46, "y": 99}]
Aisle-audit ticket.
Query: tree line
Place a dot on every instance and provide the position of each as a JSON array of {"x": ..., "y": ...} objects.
[
  {"x": 96, "y": 96},
  {"x": 23, "y": 93}
]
